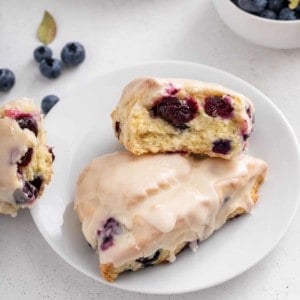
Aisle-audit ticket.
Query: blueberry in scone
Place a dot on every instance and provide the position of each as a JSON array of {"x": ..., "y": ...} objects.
[{"x": 25, "y": 158}]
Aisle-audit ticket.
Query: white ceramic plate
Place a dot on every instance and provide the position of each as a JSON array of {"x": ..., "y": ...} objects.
[{"x": 79, "y": 128}]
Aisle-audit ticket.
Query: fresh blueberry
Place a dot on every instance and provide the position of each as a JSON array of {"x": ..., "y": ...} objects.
[
  {"x": 222, "y": 146},
  {"x": 73, "y": 54},
  {"x": 268, "y": 14},
  {"x": 287, "y": 14},
  {"x": 275, "y": 5},
  {"x": 176, "y": 112},
  {"x": 41, "y": 53},
  {"x": 51, "y": 68},
  {"x": 7, "y": 80},
  {"x": 252, "y": 6},
  {"x": 48, "y": 102}
]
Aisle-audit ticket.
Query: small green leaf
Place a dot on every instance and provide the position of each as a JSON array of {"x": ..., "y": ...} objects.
[
  {"x": 294, "y": 3},
  {"x": 47, "y": 29}
]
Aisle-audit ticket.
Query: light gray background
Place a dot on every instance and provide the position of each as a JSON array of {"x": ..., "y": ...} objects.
[{"x": 117, "y": 33}]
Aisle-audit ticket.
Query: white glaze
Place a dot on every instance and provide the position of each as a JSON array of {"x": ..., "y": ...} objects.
[{"x": 162, "y": 200}]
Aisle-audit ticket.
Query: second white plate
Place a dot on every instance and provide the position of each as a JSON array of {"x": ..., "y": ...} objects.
[{"x": 79, "y": 128}]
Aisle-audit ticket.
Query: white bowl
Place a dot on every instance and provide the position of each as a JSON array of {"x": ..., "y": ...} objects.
[{"x": 265, "y": 32}]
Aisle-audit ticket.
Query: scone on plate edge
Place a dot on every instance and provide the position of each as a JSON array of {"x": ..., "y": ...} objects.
[
  {"x": 181, "y": 115},
  {"x": 25, "y": 158},
  {"x": 138, "y": 211}
]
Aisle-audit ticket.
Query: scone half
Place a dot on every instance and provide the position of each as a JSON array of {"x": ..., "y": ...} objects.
[{"x": 180, "y": 115}]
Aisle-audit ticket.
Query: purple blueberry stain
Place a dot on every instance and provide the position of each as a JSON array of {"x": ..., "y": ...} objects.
[
  {"x": 222, "y": 146},
  {"x": 172, "y": 90},
  {"x": 107, "y": 232},
  {"x": 218, "y": 106},
  {"x": 174, "y": 111}
]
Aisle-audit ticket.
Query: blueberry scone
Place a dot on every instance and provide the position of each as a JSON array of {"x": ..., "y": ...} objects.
[
  {"x": 180, "y": 115},
  {"x": 131, "y": 206},
  {"x": 25, "y": 159}
]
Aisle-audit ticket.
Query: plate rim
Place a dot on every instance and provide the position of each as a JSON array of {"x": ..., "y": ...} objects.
[{"x": 181, "y": 63}]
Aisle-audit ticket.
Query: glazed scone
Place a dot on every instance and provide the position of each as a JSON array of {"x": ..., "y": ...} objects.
[
  {"x": 180, "y": 115},
  {"x": 25, "y": 159},
  {"x": 142, "y": 210}
]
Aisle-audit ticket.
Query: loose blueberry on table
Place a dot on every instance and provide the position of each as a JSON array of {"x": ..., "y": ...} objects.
[
  {"x": 73, "y": 54},
  {"x": 7, "y": 80},
  {"x": 41, "y": 53},
  {"x": 48, "y": 102},
  {"x": 51, "y": 68}
]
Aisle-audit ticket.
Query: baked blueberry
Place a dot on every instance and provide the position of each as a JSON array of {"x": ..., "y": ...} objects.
[
  {"x": 218, "y": 106},
  {"x": 26, "y": 158},
  {"x": 51, "y": 68},
  {"x": 118, "y": 128},
  {"x": 48, "y": 102},
  {"x": 148, "y": 261},
  {"x": 7, "y": 80},
  {"x": 176, "y": 112},
  {"x": 26, "y": 121},
  {"x": 41, "y": 53},
  {"x": 26, "y": 194},
  {"x": 73, "y": 54},
  {"x": 106, "y": 234},
  {"x": 222, "y": 146}
]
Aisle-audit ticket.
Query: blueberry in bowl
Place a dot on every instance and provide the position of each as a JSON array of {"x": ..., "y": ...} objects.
[{"x": 268, "y": 23}]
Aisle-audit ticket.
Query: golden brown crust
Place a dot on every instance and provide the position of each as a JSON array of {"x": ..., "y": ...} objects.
[{"x": 110, "y": 273}]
